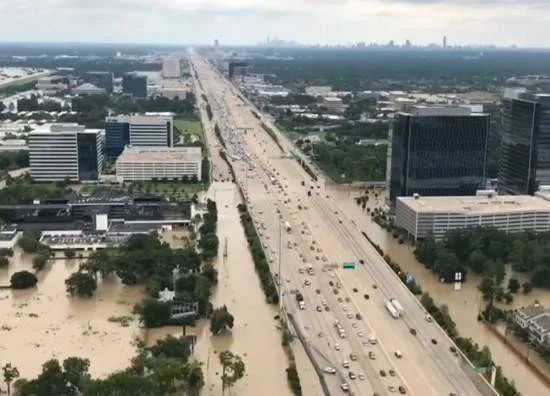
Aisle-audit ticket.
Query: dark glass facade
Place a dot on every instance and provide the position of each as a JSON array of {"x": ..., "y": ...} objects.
[
  {"x": 103, "y": 80},
  {"x": 438, "y": 155},
  {"x": 525, "y": 148},
  {"x": 88, "y": 152},
  {"x": 117, "y": 136},
  {"x": 237, "y": 69},
  {"x": 134, "y": 85}
]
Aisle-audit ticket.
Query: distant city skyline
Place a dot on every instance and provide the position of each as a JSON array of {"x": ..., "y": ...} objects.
[{"x": 246, "y": 22}]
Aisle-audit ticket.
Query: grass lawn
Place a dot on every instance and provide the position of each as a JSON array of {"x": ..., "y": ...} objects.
[
  {"x": 188, "y": 127},
  {"x": 171, "y": 189}
]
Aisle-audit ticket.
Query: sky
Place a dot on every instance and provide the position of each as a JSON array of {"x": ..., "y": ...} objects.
[{"x": 524, "y": 23}]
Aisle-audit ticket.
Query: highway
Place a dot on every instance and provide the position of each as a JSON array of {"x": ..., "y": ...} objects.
[{"x": 276, "y": 189}]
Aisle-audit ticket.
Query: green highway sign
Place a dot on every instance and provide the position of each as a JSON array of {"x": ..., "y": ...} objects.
[
  {"x": 480, "y": 370},
  {"x": 348, "y": 265}
]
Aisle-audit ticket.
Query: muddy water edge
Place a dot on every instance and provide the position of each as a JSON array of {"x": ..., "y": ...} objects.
[{"x": 464, "y": 305}]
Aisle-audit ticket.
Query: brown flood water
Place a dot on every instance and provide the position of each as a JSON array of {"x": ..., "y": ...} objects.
[
  {"x": 464, "y": 305},
  {"x": 255, "y": 336},
  {"x": 43, "y": 323}
]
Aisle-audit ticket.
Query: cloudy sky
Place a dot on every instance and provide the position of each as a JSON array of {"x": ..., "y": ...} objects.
[{"x": 500, "y": 22}]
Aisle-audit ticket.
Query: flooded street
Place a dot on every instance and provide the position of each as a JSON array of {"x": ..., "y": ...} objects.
[
  {"x": 464, "y": 305},
  {"x": 43, "y": 323},
  {"x": 254, "y": 337}
]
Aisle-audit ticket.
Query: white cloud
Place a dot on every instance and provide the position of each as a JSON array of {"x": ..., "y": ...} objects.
[{"x": 249, "y": 21}]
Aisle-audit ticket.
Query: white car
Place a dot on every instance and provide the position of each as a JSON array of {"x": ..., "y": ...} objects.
[
  {"x": 345, "y": 364},
  {"x": 344, "y": 387},
  {"x": 359, "y": 334},
  {"x": 329, "y": 370},
  {"x": 337, "y": 347}
]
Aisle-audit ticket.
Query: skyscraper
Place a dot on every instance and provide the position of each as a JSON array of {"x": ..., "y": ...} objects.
[
  {"x": 134, "y": 85},
  {"x": 444, "y": 41},
  {"x": 137, "y": 130},
  {"x": 101, "y": 79},
  {"x": 438, "y": 151},
  {"x": 525, "y": 148},
  {"x": 65, "y": 151}
]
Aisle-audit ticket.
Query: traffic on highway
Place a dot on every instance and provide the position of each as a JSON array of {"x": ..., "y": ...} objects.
[{"x": 369, "y": 334}]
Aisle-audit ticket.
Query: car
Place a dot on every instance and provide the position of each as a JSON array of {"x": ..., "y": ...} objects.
[
  {"x": 429, "y": 318},
  {"x": 392, "y": 373},
  {"x": 329, "y": 370},
  {"x": 434, "y": 341},
  {"x": 391, "y": 388},
  {"x": 372, "y": 355},
  {"x": 354, "y": 325},
  {"x": 347, "y": 299},
  {"x": 374, "y": 286},
  {"x": 344, "y": 387},
  {"x": 337, "y": 347},
  {"x": 402, "y": 390},
  {"x": 359, "y": 334},
  {"x": 344, "y": 308},
  {"x": 318, "y": 291},
  {"x": 324, "y": 303},
  {"x": 452, "y": 349},
  {"x": 362, "y": 378},
  {"x": 327, "y": 308},
  {"x": 412, "y": 331},
  {"x": 340, "y": 299},
  {"x": 352, "y": 375},
  {"x": 335, "y": 291},
  {"x": 307, "y": 282},
  {"x": 331, "y": 283},
  {"x": 355, "y": 290},
  {"x": 353, "y": 357},
  {"x": 350, "y": 315},
  {"x": 382, "y": 373},
  {"x": 319, "y": 309},
  {"x": 366, "y": 296},
  {"x": 345, "y": 364},
  {"x": 398, "y": 354},
  {"x": 358, "y": 316},
  {"x": 361, "y": 261}
]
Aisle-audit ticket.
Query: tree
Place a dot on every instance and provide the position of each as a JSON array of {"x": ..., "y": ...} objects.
[
  {"x": 488, "y": 288},
  {"x": 153, "y": 313},
  {"x": 39, "y": 261},
  {"x": 513, "y": 285},
  {"x": 193, "y": 377},
  {"x": 210, "y": 272},
  {"x": 221, "y": 320},
  {"x": 70, "y": 253},
  {"x": 527, "y": 288},
  {"x": 10, "y": 373},
  {"x": 23, "y": 280},
  {"x": 172, "y": 347},
  {"x": 123, "y": 383},
  {"x": 29, "y": 242},
  {"x": 81, "y": 284},
  {"x": 4, "y": 262},
  {"x": 233, "y": 369}
]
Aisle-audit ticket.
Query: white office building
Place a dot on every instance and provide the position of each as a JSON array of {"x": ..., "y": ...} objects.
[
  {"x": 148, "y": 163},
  {"x": 422, "y": 216},
  {"x": 59, "y": 152}
]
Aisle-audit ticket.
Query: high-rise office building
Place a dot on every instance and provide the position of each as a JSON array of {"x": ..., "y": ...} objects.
[
  {"x": 525, "y": 148},
  {"x": 134, "y": 85},
  {"x": 137, "y": 130},
  {"x": 59, "y": 152},
  {"x": 101, "y": 79},
  {"x": 438, "y": 151},
  {"x": 237, "y": 69}
]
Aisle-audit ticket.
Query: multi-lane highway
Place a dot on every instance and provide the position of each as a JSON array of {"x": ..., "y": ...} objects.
[{"x": 379, "y": 354}]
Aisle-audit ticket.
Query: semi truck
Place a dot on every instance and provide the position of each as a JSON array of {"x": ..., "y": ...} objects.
[
  {"x": 287, "y": 226},
  {"x": 392, "y": 310}
]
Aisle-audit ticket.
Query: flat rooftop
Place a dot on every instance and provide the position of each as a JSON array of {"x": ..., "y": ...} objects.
[
  {"x": 473, "y": 204},
  {"x": 160, "y": 154}
]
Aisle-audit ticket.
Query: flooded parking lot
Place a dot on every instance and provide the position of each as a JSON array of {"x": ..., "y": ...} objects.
[{"x": 44, "y": 323}]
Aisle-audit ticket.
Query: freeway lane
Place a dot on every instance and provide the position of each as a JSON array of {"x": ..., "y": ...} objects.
[{"x": 425, "y": 369}]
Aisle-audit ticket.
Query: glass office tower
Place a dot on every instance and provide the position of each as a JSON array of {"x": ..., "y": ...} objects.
[
  {"x": 134, "y": 85},
  {"x": 525, "y": 148},
  {"x": 90, "y": 154},
  {"x": 438, "y": 151}
]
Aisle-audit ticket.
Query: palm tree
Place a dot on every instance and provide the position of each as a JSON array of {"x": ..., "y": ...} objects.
[{"x": 10, "y": 373}]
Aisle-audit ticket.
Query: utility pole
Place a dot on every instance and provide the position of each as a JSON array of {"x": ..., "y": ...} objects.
[{"x": 280, "y": 275}]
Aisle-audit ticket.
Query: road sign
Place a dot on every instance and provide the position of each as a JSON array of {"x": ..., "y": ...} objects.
[
  {"x": 480, "y": 370},
  {"x": 331, "y": 266},
  {"x": 348, "y": 266}
]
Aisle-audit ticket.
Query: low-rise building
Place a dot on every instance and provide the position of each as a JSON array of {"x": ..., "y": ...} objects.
[
  {"x": 536, "y": 320},
  {"x": 421, "y": 216},
  {"x": 88, "y": 89},
  {"x": 334, "y": 104},
  {"x": 148, "y": 163},
  {"x": 318, "y": 90}
]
